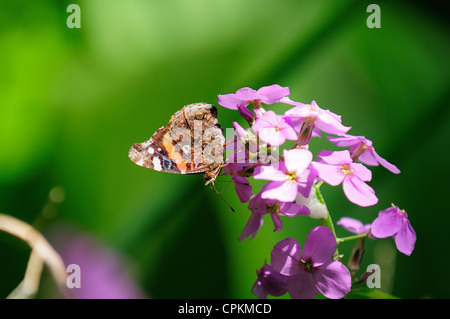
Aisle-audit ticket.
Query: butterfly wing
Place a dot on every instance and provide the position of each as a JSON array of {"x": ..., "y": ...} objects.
[
  {"x": 153, "y": 154},
  {"x": 191, "y": 143}
]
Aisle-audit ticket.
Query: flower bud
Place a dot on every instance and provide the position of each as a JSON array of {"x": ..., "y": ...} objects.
[
  {"x": 356, "y": 256},
  {"x": 246, "y": 114},
  {"x": 317, "y": 209}
]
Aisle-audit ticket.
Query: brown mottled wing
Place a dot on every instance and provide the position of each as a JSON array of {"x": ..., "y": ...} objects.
[
  {"x": 191, "y": 143},
  {"x": 152, "y": 153}
]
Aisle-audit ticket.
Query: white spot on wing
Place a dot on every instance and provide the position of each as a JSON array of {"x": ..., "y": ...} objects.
[
  {"x": 156, "y": 164},
  {"x": 151, "y": 150}
]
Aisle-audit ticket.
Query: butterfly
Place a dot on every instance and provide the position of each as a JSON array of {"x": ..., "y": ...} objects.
[{"x": 191, "y": 143}]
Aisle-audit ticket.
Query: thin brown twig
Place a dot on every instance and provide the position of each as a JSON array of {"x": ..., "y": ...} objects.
[{"x": 41, "y": 252}]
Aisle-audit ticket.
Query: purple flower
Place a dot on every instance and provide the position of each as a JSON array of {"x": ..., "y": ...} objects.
[
  {"x": 269, "y": 282},
  {"x": 338, "y": 167},
  {"x": 260, "y": 206},
  {"x": 288, "y": 177},
  {"x": 354, "y": 225},
  {"x": 394, "y": 222},
  {"x": 241, "y": 184},
  {"x": 311, "y": 270},
  {"x": 105, "y": 274},
  {"x": 245, "y": 96},
  {"x": 361, "y": 149},
  {"x": 324, "y": 120},
  {"x": 274, "y": 129}
]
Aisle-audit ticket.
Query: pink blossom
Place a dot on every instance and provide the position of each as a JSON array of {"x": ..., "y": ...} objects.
[
  {"x": 393, "y": 222},
  {"x": 288, "y": 177},
  {"x": 275, "y": 208},
  {"x": 311, "y": 270},
  {"x": 361, "y": 149},
  {"x": 354, "y": 225},
  {"x": 245, "y": 96},
  {"x": 337, "y": 167},
  {"x": 311, "y": 114},
  {"x": 241, "y": 185},
  {"x": 105, "y": 273},
  {"x": 269, "y": 282},
  {"x": 274, "y": 129}
]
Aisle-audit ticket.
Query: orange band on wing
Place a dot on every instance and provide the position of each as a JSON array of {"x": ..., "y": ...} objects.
[{"x": 173, "y": 154}]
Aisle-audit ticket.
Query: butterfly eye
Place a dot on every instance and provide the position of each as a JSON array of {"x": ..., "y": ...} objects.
[{"x": 199, "y": 116}]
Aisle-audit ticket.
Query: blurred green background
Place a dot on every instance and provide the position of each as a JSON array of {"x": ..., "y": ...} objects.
[{"x": 73, "y": 101}]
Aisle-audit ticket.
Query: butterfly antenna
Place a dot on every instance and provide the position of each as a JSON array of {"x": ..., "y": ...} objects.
[
  {"x": 213, "y": 187},
  {"x": 226, "y": 186}
]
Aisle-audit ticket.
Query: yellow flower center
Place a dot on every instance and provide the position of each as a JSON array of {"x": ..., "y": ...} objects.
[
  {"x": 345, "y": 168},
  {"x": 292, "y": 177},
  {"x": 307, "y": 265},
  {"x": 273, "y": 209}
]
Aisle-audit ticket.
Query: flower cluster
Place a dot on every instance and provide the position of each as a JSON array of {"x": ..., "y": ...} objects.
[{"x": 275, "y": 148}]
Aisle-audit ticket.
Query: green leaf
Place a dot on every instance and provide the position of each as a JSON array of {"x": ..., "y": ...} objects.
[{"x": 370, "y": 294}]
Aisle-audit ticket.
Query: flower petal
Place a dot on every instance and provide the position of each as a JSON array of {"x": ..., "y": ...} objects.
[
  {"x": 267, "y": 120},
  {"x": 361, "y": 171},
  {"x": 285, "y": 257},
  {"x": 259, "y": 291},
  {"x": 271, "y": 136},
  {"x": 386, "y": 164},
  {"x": 297, "y": 160},
  {"x": 270, "y": 281},
  {"x": 345, "y": 140},
  {"x": 306, "y": 180},
  {"x": 287, "y": 129},
  {"x": 302, "y": 286},
  {"x": 367, "y": 157},
  {"x": 247, "y": 94},
  {"x": 273, "y": 93},
  {"x": 330, "y": 124},
  {"x": 405, "y": 239},
  {"x": 333, "y": 279},
  {"x": 352, "y": 225},
  {"x": 299, "y": 111},
  {"x": 358, "y": 192},
  {"x": 330, "y": 174},
  {"x": 293, "y": 209},
  {"x": 273, "y": 172},
  {"x": 335, "y": 157},
  {"x": 387, "y": 224},
  {"x": 320, "y": 245},
  {"x": 277, "y": 222},
  {"x": 242, "y": 187},
  {"x": 230, "y": 101},
  {"x": 254, "y": 223},
  {"x": 283, "y": 191}
]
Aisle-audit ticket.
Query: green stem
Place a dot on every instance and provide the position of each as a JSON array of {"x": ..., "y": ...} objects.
[
  {"x": 341, "y": 240},
  {"x": 327, "y": 221}
]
